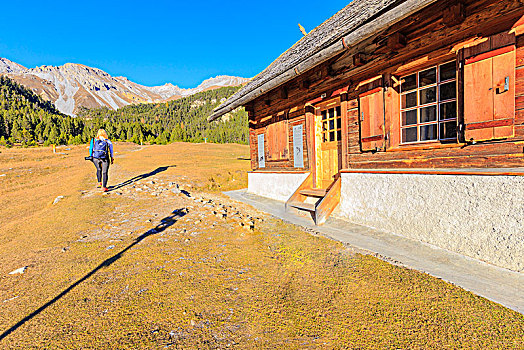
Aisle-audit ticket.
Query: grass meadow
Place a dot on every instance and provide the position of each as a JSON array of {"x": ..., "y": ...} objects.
[{"x": 165, "y": 261}]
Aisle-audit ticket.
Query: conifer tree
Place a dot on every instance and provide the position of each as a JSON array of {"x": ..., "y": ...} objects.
[{"x": 27, "y": 119}]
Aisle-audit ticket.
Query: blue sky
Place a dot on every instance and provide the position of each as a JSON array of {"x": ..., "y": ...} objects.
[{"x": 155, "y": 42}]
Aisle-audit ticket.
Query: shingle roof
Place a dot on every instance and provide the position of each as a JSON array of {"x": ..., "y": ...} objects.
[{"x": 354, "y": 23}]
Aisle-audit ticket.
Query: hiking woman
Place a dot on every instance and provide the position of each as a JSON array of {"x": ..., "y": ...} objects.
[{"x": 101, "y": 149}]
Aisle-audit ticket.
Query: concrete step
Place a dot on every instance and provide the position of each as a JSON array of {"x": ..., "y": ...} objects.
[
  {"x": 303, "y": 206},
  {"x": 314, "y": 192}
]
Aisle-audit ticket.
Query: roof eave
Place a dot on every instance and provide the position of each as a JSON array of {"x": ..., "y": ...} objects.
[{"x": 358, "y": 35}]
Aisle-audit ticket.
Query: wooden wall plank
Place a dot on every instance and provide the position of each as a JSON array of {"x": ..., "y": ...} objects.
[{"x": 428, "y": 42}]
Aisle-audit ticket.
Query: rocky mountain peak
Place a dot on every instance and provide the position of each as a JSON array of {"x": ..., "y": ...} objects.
[
  {"x": 73, "y": 85},
  {"x": 7, "y": 66}
]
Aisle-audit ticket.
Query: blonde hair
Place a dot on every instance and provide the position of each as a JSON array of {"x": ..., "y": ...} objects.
[{"x": 103, "y": 133}]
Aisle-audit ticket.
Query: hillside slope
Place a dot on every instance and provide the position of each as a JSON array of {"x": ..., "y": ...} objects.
[
  {"x": 182, "y": 120},
  {"x": 27, "y": 119}
]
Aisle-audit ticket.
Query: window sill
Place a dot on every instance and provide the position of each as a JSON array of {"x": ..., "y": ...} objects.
[
  {"x": 425, "y": 145},
  {"x": 277, "y": 160},
  {"x": 270, "y": 171}
]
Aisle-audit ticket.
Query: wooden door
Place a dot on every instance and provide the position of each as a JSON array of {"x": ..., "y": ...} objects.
[
  {"x": 329, "y": 131},
  {"x": 489, "y": 95}
]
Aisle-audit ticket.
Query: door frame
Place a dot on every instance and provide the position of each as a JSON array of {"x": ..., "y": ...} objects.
[{"x": 316, "y": 128}]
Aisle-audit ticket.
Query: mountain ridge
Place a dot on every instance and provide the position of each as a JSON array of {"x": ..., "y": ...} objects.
[{"x": 74, "y": 85}]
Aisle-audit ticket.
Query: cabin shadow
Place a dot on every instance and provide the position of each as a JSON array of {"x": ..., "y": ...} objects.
[
  {"x": 140, "y": 177},
  {"x": 163, "y": 225}
]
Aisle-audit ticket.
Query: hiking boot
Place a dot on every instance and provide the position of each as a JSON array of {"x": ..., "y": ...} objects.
[
  {"x": 99, "y": 185},
  {"x": 106, "y": 189}
]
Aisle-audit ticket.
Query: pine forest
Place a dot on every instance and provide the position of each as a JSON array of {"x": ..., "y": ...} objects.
[{"x": 27, "y": 120}]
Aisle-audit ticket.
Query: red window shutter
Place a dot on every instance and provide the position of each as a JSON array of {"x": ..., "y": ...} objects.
[
  {"x": 371, "y": 116},
  {"x": 283, "y": 141},
  {"x": 277, "y": 140},
  {"x": 489, "y": 95}
]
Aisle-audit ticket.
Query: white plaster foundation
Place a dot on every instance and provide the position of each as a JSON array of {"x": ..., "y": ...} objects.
[
  {"x": 478, "y": 216},
  {"x": 278, "y": 186}
]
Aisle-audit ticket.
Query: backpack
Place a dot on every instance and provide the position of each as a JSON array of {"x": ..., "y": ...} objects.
[{"x": 100, "y": 148}]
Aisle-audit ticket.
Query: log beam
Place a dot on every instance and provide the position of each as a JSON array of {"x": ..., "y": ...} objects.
[
  {"x": 283, "y": 93},
  {"x": 358, "y": 60},
  {"x": 454, "y": 14},
  {"x": 397, "y": 41},
  {"x": 305, "y": 84}
]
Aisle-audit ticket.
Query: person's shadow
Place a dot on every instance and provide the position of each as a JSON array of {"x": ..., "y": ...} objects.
[
  {"x": 164, "y": 224},
  {"x": 140, "y": 177}
]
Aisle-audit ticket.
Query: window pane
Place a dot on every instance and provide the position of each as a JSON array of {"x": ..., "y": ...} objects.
[
  {"x": 324, "y": 115},
  {"x": 324, "y": 126},
  {"x": 339, "y": 123},
  {"x": 409, "y": 83},
  {"x": 339, "y": 135},
  {"x": 427, "y": 77},
  {"x": 448, "y": 110},
  {"x": 448, "y": 91},
  {"x": 409, "y": 134},
  {"x": 324, "y": 137},
  {"x": 409, "y": 100},
  {"x": 448, "y": 71},
  {"x": 331, "y": 124},
  {"x": 428, "y": 95},
  {"x": 409, "y": 117},
  {"x": 428, "y": 114},
  {"x": 448, "y": 130},
  {"x": 338, "y": 111},
  {"x": 332, "y": 136},
  {"x": 331, "y": 113},
  {"x": 428, "y": 132}
]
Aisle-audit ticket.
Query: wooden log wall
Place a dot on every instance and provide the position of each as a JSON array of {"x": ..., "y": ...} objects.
[
  {"x": 294, "y": 118},
  {"x": 427, "y": 39}
]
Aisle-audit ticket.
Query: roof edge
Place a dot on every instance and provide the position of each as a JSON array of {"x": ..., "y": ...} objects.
[{"x": 358, "y": 35}]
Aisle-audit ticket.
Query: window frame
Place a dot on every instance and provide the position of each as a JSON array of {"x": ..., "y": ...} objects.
[
  {"x": 437, "y": 103},
  {"x": 337, "y": 123}
]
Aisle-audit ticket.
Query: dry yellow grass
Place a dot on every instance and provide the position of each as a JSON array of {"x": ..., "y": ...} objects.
[{"x": 146, "y": 268}]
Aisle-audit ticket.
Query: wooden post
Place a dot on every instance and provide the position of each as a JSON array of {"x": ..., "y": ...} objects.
[
  {"x": 310, "y": 140},
  {"x": 344, "y": 131}
]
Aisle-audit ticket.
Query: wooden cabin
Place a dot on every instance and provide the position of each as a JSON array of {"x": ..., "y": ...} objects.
[{"x": 406, "y": 116}]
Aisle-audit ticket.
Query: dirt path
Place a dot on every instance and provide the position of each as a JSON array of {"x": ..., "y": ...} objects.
[{"x": 164, "y": 260}]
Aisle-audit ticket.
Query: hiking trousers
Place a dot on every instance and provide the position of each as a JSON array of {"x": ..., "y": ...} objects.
[{"x": 102, "y": 167}]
